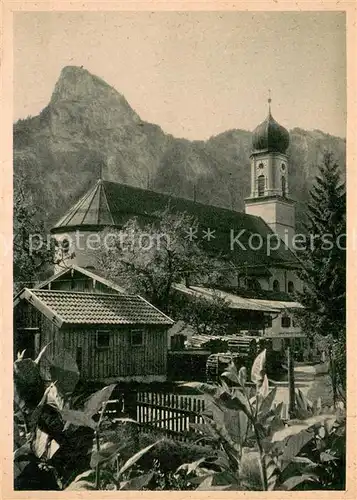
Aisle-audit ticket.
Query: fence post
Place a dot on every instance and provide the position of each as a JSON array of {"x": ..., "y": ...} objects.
[
  {"x": 291, "y": 379},
  {"x": 130, "y": 404}
]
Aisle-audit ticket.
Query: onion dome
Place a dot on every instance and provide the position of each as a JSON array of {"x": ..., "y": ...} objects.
[{"x": 269, "y": 136}]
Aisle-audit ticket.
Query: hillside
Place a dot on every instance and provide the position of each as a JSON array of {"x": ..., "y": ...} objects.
[{"x": 88, "y": 129}]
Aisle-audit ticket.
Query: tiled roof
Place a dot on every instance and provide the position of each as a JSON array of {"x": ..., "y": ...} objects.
[
  {"x": 113, "y": 204},
  {"x": 95, "y": 309}
]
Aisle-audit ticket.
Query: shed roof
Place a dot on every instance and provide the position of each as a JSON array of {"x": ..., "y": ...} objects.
[{"x": 82, "y": 308}]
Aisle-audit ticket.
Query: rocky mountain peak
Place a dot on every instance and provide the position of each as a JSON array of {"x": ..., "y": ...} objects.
[{"x": 76, "y": 84}]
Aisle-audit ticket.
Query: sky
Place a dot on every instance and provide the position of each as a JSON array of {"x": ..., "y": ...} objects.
[{"x": 196, "y": 74}]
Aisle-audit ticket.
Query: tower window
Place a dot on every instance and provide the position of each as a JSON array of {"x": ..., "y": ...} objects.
[
  {"x": 65, "y": 246},
  {"x": 290, "y": 287},
  {"x": 261, "y": 185},
  {"x": 283, "y": 185},
  {"x": 276, "y": 286}
]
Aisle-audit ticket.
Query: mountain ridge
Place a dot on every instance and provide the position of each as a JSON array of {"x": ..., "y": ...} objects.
[{"x": 88, "y": 130}]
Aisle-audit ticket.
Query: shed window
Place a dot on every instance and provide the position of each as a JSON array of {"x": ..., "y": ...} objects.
[
  {"x": 276, "y": 286},
  {"x": 261, "y": 185},
  {"x": 103, "y": 339},
  {"x": 290, "y": 287},
  {"x": 136, "y": 337},
  {"x": 285, "y": 322}
]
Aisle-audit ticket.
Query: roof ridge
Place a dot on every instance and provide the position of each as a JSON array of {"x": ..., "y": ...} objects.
[
  {"x": 170, "y": 196},
  {"x": 44, "y": 290}
]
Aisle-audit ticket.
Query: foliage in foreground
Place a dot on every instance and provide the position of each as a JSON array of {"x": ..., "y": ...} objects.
[
  {"x": 61, "y": 443},
  {"x": 53, "y": 441},
  {"x": 258, "y": 449}
]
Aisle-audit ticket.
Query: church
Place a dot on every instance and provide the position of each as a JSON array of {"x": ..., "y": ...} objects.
[{"x": 266, "y": 273}]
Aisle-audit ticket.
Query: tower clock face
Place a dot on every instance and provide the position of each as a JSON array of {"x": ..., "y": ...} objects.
[{"x": 261, "y": 165}]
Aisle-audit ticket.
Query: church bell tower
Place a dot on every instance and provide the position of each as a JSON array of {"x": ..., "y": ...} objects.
[{"x": 269, "y": 197}]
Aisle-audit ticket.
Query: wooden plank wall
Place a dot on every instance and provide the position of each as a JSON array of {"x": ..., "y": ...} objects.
[
  {"x": 27, "y": 316},
  {"x": 121, "y": 359}
]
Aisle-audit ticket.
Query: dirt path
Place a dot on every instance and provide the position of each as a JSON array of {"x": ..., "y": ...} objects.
[{"x": 310, "y": 384}]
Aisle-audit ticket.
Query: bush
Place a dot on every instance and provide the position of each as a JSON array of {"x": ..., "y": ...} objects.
[{"x": 168, "y": 453}]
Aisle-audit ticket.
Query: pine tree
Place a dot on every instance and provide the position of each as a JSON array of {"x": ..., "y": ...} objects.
[{"x": 324, "y": 264}]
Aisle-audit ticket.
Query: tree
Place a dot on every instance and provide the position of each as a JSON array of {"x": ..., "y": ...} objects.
[
  {"x": 149, "y": 257},
  {"x": 207, "y": 316},
  {"x": 324, "y": 266},
  {"x": 32, "y": 250}
]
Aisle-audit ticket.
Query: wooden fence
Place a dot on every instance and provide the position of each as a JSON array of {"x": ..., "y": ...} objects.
[
  {"x": 165, "y": 413},
  {"x": 170, "y": 414}
]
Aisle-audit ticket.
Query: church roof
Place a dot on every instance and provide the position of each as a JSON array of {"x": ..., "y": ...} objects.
[
  {"x": 113, "y": 204},
  {"x": 240, "y": 300},
  {"x": 269, "y": 136},
  {"x": 92, "y": 209}
]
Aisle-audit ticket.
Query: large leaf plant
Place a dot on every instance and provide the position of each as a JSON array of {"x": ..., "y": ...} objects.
[
  {"x": 58, "y": 445},
  {"x": 257, "y": 446}
]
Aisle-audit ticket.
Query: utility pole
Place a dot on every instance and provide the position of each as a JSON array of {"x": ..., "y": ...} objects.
[{"x": 291, "y": 379}]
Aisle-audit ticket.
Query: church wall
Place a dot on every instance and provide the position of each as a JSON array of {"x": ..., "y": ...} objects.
[
  {"x": 264, "y": 209},
  {"x": 283, "y": 276},
  {"x": 285, "y": 214},
  {"x": 84, "y": 245},
  {"x": 264, "y": 283}
]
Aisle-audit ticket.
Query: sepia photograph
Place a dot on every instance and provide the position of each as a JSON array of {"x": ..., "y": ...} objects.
[{"x": 179, "y": 250}]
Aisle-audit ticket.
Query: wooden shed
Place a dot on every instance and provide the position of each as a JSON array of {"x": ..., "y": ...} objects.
[{"x": 113, "y": 337}]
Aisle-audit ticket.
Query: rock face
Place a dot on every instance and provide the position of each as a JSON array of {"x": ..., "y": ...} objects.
[{"x": 88, "y": 129}]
